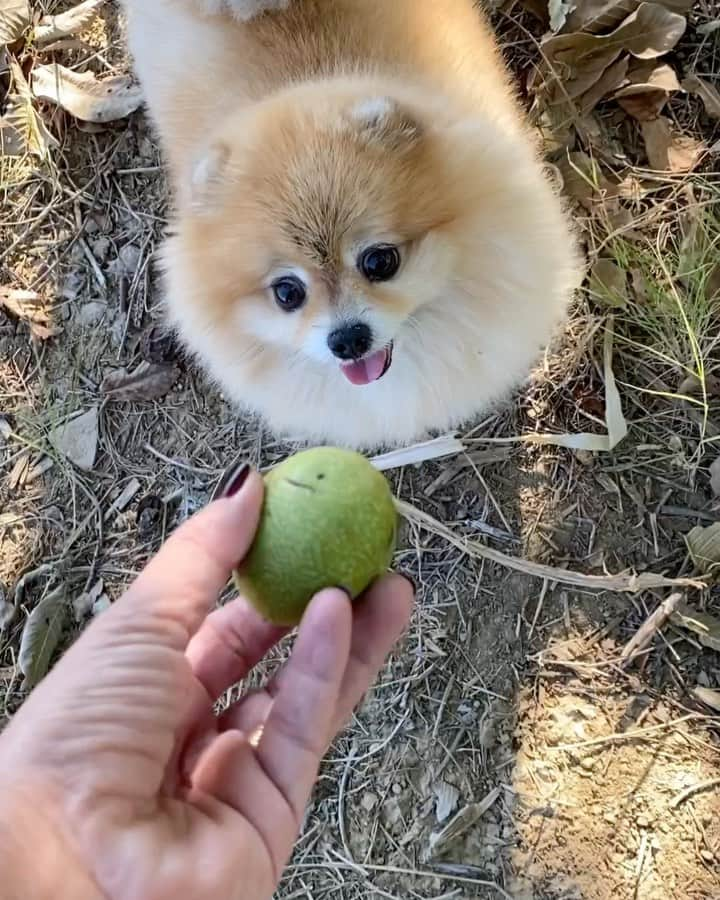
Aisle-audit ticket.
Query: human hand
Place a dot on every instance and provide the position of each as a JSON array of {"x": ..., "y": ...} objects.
[{"x": 117, "y": 780}]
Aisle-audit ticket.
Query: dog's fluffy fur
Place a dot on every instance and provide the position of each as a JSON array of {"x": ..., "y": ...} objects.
[{"x": 298, "y": 133}]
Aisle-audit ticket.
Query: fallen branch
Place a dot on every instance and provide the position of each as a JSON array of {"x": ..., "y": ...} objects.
[
  {"x": 630, "y": 583},
  {"x": 695, "y": 789},
  {"x": 650, "y": 627}
]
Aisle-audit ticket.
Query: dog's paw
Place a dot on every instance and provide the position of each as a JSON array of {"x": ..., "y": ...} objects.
[{"x": 243, "y": 10}]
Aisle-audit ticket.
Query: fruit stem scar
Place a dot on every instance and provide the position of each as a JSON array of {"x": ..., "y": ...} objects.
[{"x": 299, "y": 484}]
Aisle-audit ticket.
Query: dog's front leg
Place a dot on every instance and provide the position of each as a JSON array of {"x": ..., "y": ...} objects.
[{"x": 243, "y": 10}]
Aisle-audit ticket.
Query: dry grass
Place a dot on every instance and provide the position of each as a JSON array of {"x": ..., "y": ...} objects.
[{"x": 509, "y": 693}]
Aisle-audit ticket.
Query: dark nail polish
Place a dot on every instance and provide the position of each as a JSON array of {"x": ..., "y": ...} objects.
[
  {"x": 410, "y": 580},
  {"x": 232, "y": 481}
]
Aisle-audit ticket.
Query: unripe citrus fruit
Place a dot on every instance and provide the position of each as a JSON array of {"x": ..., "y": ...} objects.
[{"x": 328, "y": 520}]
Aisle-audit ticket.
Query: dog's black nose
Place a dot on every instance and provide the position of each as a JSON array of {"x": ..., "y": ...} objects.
[{"x": 351, "y": 341}]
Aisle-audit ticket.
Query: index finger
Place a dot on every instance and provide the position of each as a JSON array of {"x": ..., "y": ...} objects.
[{"x": 181, "y": 584}]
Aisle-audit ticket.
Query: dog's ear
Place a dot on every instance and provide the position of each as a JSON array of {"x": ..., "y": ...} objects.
[
  {"x": 384, "y": 121},
  {"x": 208, "y": 176}
]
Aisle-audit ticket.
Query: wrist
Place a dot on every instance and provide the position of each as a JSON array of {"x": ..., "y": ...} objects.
[{"x": 36, "y": 858}]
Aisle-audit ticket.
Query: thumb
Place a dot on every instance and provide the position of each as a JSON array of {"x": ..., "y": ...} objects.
[{"x": 181, "y": 584}]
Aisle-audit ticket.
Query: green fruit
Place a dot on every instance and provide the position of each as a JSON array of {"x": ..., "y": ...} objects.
[{"x": 328, "y": 520}]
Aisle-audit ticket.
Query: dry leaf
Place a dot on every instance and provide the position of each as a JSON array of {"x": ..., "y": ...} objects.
[
  {"x": 41, "y": 636},
  {"x": 149, "y": 381},
  {"x": 447, "y": 797},
  {"x": 559, "y": 11},
  {"x": 15, "y": 18},
  {"x": 583, "y": 179},
  {"x": 83, "y": 604},
  {"x": 437, "y": 448},
  {"x": 27, "y": 306},
  {"x": 704, "y": 546},
  {"x": 55, "y": 28},
  {"x": 596, "y": 16},
  {"x": 647, "y": 93},
  {"x": 707, "y": 92},
  {"x": 668, "y": 151},
  {"x": 608, "y": 284},
  {"x": 705, "y": 626},
  {"x": 459, "y": 825},
  {"x": 616, "y": 424},
  {"x": 83, "y": 96},
  {"x": 715, "y": 477},
  {"x": 709, "y": 27},
  {"x": 77, "y": 439},
  {"x": 578, "y": 60},
  {"x": 708, "y": 697},
  {"x": 22, "y": 114},
  {"x": 611, "y": 79}
]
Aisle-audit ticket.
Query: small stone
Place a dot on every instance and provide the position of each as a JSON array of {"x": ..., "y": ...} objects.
[
  {"x": 77, "y": 439},
  {"x": 369, "y": 801},
  {"x": 707, "y": 856}
]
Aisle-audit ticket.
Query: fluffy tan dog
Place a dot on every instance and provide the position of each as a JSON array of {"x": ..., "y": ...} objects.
[{"x": 365, "y": 247}]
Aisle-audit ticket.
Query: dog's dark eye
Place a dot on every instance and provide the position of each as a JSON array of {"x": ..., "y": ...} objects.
[
  {"x": 380, "y": 263},
  {"x": 290, "y": 293}
]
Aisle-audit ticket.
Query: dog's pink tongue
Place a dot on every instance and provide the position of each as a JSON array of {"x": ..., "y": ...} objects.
[{"x": 366, "y": 370}]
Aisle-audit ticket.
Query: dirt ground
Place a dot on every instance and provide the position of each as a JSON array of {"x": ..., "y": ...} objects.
[{"x": 507, "y": 750}]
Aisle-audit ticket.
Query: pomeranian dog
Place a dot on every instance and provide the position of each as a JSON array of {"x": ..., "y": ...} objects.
[{"x": 365, "y": 247}]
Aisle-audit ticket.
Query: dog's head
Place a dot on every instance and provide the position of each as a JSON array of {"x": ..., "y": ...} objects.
[{"x": 321, "y": 222}]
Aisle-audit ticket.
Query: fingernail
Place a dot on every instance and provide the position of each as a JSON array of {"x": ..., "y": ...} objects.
[
  {"x": 410, "y": 580},
  {"x": 232, "y": 481},
  {"x": 346, "y": 591}
]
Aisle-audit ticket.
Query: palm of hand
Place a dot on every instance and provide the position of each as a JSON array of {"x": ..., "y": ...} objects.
[{"x": 145, "y": 792}]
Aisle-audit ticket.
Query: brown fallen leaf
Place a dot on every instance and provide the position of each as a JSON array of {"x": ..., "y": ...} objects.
[
  {"x": 705, "y": 626},
  {"x": 149, "y": 381},
  {"x": 707, "y": 696},
  {"x": 84, "y": 96},
  {"x": 583, "y": 178},
  {"x": 15, "y": 18},
  {"x": 611, "y": 79},
  {"x": 24, "y": 117},
  {"x": 649, "y": 89},
  {"x": 28, "y": 307},
  {"x": 667, "y": 150},
  {"x": 55, "y": 28},
  {"x": 558, "y": 11},
  {"x": 608, "y": 284},
  {"x": 575, "y": 62},
  {"x": 41, "y": 636},
  {"x": 596, "y": 16},
  {"x": 709, "y": 27},
  {"x": 707, "y": 92},
  {"x": 704, "y": 545}
]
